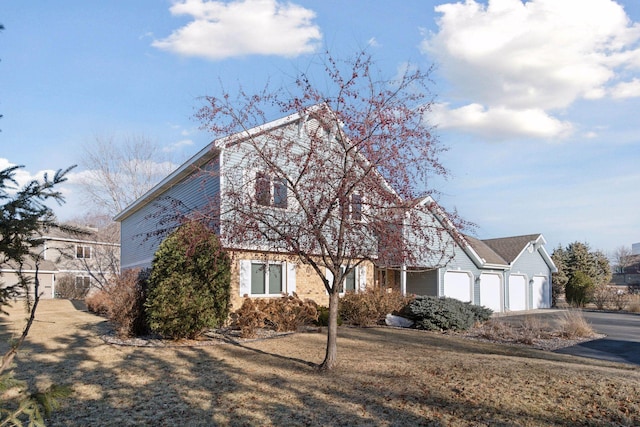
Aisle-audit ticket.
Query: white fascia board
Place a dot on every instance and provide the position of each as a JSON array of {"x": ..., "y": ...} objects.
[{"x": 548, "y": 259}]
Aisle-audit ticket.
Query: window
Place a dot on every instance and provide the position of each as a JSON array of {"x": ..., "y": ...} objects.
[
  {"x": 271, "y": 192},
  {"x": 266, "y": 278},
  {"x": 83, "y": 283},
  {"x": 356, "y": 207},
  {"x": 263, "y": 189},
  {"x": 351, "y": 207},
  {"x": 83, "y": 251},
  {"x": 279, "y": 193},
  {"x": 349, "y": 284}
]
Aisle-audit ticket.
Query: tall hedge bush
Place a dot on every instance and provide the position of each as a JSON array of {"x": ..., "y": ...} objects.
[{"x": 189, "y": 288}]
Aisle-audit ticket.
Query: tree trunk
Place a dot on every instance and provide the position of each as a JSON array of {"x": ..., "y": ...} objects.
[{"x": 331, "y": 357}]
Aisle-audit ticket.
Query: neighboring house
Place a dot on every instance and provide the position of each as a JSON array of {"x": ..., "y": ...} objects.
[
  {"x": 503, "y": 274},
  {"x": 83, "y": 258},
  {"x": 629, "y": 276}
]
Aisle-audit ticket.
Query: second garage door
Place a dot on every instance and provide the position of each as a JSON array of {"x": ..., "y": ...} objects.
[{"x": 491, "y": 291}]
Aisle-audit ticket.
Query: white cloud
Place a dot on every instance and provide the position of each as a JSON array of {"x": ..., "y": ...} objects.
[
  {"x": 247, "y": 27},
  {"x": 535, "y": 56},
  {"x": 499, "y": 121},
  {"x": 178, "y": 145},
  {"x": 626, "y": 89}
]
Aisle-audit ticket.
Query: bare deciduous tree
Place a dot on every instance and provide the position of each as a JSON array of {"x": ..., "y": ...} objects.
[
  {"x": 342, "y": 189},
  {"x": 622, "y": 258},
  {"x": 120, "y": 171}
]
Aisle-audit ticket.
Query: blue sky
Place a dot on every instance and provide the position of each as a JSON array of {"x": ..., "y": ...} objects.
[{"x": 537, "y": 101}]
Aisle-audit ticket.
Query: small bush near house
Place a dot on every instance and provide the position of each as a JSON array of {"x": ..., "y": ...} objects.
[
  {"x": 323, "y": 316},
  {"x": 99, "y": 303},
  {"x": 189, "y": 287},
  {"x": 440, "y": 314},
  {"x": 67, "y": 288},
  {"x": 579, "y": 289},
  {"x": 371, "y": 306},
  {"x": 123, "y": 303},
  {"x": 287, "y": 313}
]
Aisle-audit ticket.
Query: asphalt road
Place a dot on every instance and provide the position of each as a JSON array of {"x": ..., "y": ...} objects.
[{"x": 622, "y": 341}]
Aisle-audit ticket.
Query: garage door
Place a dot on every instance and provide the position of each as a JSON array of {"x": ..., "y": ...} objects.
[
  {"x": 540, "y": 292},
  {"x": 517, "y": 293},
  {"x": 490, "y": 291},
  {"x": 457, "y": 285}
]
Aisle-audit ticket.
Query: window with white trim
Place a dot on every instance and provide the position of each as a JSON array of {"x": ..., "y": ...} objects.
[
  {"x": 271, "y": 191},
  {"x": 352, "y": 207},
  {"x": 83, "y": 283},
  {"x": 83, "y": 252},
  {"x": 349, "y": 284},
  {"x": 266, "y": 278}
]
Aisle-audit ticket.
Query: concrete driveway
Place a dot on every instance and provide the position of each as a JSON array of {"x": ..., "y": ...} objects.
[{"x": 622, "y": 341}]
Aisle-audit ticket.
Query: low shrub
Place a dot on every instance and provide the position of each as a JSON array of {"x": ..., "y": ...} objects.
[
  {"x": 98, "y": 303},
  {"x": 370, "y": 307},
  {"x": 67, "y": 288},
  {"x": 602, "y": 295},
  {"x": 287, "y": 313},
  {"x": 323, "y": 316},
  {"x": 440, "y": 314},
  {"x": 123, "y": 303}
]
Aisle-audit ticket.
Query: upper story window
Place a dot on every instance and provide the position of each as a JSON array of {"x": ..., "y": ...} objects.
[
  {"x": 83, "y": 252},
  {"x": 271, "y": 191},
  {"x": 352, "y": 209}
]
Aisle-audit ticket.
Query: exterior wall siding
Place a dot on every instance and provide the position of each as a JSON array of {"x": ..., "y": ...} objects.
[{"x": 138, "y": 239}]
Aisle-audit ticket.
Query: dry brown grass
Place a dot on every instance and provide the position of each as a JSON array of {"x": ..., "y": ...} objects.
[
  {"x": 574, "y": 325},
  {"x": 385, "y": 377},
  {"x": 633, "y": 304}
]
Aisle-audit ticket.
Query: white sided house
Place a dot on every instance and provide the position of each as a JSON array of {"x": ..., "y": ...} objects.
[
  {"x": 507, "y": 274},
  {"x": 205, "y": 187}
]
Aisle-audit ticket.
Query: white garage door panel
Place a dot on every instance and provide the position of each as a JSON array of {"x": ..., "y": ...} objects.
[
  {"x": 457, "y": 285},
  {"x": 517, "y": 293},
  {"x": 540, "y": 292},
  {"x": 490, "y": 292}
]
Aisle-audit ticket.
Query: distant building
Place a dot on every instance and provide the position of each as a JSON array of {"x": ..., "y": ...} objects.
[{"x": 635, "y": 249}]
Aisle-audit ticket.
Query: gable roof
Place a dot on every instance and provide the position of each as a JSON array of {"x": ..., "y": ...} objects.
[
  {"x": 214, "y": 148},
  {"x": 509, "y": 248}
]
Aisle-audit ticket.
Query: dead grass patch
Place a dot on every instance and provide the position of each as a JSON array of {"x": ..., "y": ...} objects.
[{"x": 386, "y": 377}]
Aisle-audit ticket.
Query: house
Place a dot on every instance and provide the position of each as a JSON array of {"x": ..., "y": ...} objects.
[
  {"x": 82, "y": 259},
  {"x": 628, "y": 276},
  {"x": 226, "y": 185},
  {"x": 504, "y": 274}
]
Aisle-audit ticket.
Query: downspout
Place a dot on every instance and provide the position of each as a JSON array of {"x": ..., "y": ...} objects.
[{"x": 403, "y": 279}]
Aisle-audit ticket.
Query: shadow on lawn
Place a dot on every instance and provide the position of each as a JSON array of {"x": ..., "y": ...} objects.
[{"x": 241, "y": 385}]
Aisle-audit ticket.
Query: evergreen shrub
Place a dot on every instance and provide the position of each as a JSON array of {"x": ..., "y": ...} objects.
[
  {"x": 189, "y": 287},
  {"x": 440, "y": 314},
  {"x": 579, "y": 289}
]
